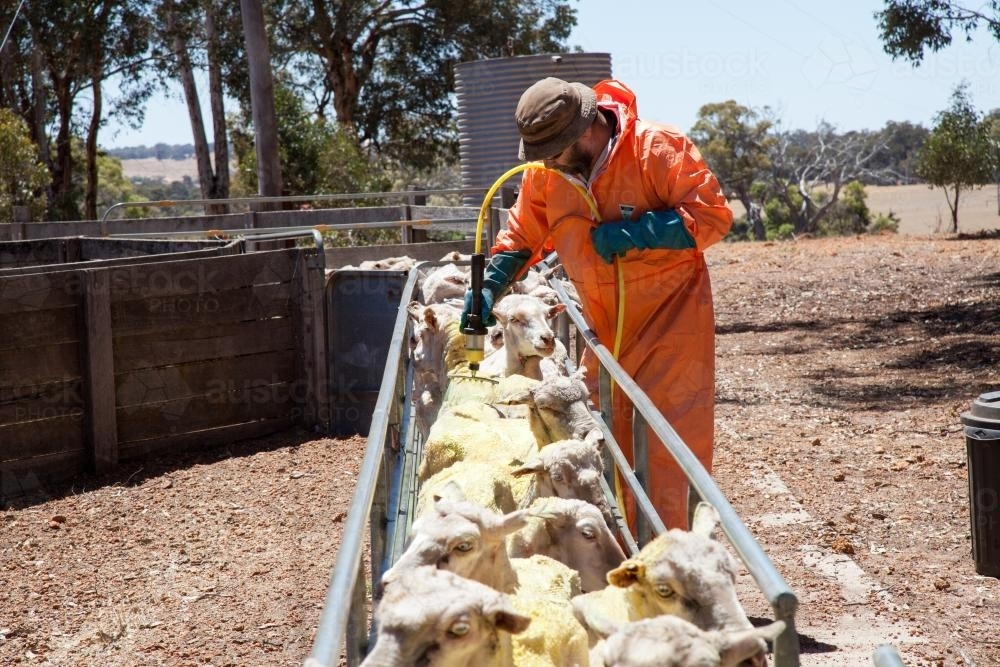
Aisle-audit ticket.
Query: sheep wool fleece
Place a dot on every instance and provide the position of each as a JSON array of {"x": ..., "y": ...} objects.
[{"x": 668, "y": 336}]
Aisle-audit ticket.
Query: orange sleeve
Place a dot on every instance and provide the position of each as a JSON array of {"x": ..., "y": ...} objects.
[
  {"x": 678, "y": 174},
  {"x": 527, "y": 222}
]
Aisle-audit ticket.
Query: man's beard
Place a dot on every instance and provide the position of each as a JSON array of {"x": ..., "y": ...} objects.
[{"x": 577, "y": 162}]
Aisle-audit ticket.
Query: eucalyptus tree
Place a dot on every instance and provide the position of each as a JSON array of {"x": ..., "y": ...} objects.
[
  {"x": 736, "y": 141},
  {"x": 384, "y": 69},
  {"x": 956, "y": 156},
  {"x": 909, "y": 28},
  {"x": 71, "y": 48}
]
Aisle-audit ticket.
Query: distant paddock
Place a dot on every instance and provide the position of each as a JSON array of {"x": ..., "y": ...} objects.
[{"x": 922, "y": 210}]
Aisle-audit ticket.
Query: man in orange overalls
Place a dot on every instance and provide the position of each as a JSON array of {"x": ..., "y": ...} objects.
[{"x": 660, "y": 207}]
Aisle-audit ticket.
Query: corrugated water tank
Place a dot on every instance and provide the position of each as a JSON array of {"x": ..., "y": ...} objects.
[{"x": 488, "y": 91}]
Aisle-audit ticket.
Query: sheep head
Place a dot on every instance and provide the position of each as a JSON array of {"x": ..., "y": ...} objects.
[
  {"x": 438, "y": 618},
  {"x": 462, "y": 537},
  {"x": 669, "y": 641},
  {"x": 685, "y": 574}
]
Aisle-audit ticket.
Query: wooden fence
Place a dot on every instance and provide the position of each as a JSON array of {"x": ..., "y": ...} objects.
[{"x": 101, "y": 363}]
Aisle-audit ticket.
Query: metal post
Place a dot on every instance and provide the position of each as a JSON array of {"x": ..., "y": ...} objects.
[{"x": 640, "y": 463}]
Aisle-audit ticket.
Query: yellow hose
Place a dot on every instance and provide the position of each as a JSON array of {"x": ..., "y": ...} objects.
[{"x": 618, "y": 271}]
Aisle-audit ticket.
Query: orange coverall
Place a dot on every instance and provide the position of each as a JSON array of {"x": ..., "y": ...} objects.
[{"x": 668, "y": 338}]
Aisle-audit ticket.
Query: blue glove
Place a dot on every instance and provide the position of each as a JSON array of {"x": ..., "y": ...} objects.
[
  {"x": 653, "y": 229},
  {"x": 502, "y": 270},
  {"x": 485, "y": 313}
]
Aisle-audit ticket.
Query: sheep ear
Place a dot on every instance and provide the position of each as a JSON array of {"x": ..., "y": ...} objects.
[
  {"x": 415, "y": 310},
  {"x": 430, "y": 318},
  {"x": 627, "y": 574},
  {"x": 450, "y": 492},
  {"x": 532, "y": 466},
  {"x": 706, "y": 518},
  {"x": 739, "y": 646},
  {"x": 556, "y": 309},
  {"x": 514, "y": 521},
  {"x": 596, "y": 622},
  {"x": 503, "y": 615}
]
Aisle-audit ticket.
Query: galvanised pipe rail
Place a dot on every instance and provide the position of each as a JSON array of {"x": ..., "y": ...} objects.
[
  {"x": 317, "y": 239},
  {"x": 771, "y": 583},
  {"x": 341, "y": 607},
  {"x": 345, "y": 196},
  {"x": 239, "y": 231}
]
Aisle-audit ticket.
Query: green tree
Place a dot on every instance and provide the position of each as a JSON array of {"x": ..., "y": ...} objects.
[
  {"x": 735, "y": 141},
  {"x": 385, "y": 69},
  {"x": 810, "y": 169},
  {"x": 22, "y": 176},
  {"x": 992, "y": 123},
  {"x": 316, "y": 155},
  {"x": 911, "y": 27},
  {"x": 956, "y": 155},
  {"x": 894, "y": 164}
]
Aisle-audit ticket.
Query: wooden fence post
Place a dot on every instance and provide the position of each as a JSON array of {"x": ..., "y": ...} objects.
[
  {"x": 411, "y": 235},
  {"x": 99, "y": 369},
  {"x": 312, "y": 340},
  {"x": 22, "y": 215}
]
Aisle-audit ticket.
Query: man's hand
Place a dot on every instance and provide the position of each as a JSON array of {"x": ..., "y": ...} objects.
[
  {"x": 653, "y": 229},
  {"x": 485, "y": 312}
]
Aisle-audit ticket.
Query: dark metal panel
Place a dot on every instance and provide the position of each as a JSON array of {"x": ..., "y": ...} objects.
[{"x": 488, "y": 91}]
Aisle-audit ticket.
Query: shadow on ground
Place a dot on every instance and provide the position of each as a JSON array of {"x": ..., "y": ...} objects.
[{"x": 28, "y": 489}]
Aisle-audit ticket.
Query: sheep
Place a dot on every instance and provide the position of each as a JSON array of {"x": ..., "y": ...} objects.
[
  {"x": 573, "y": 532},
  {"x": 561, "y": 403},
  {"x": 567, "y": 469},
  {"x": 429, "y": 350},
  {"x": 484, "y": 483},
  {"x": 443, "y": 283},
  {"x": 401, "y": 263},
  {"x": 456, "y": 256},
  {"x": 437, "y": 618},
  {"x": 685, "y": 574},
  {"x": 475, "y": 432},
  {"x": 669, "y": 641},
  {"x": 527, "y": 336},
  {"x": 469, "y": 540}
]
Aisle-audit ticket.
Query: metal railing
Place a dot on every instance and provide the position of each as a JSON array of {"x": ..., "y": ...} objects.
[
  {"x": 344, "y": 619},
  {"x": 382, "y": 485},
  {"x": 780, "y": 596}
]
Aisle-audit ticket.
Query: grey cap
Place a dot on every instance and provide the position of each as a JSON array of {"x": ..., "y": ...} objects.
[{"x": 551, "y": 115}]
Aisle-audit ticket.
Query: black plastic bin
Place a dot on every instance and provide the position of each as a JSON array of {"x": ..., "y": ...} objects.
[{"x": 982, "y": 443}]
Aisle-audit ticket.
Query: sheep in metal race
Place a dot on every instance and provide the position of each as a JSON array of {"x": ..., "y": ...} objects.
[
  {"x": 527, "y": 337},
  {"x": 430, "y": 331},
  {"x": 669, "y": 641},
  {"x": 443, "y": 283},
  {"x": 439, "y": 619},
  {"x": 573, "y": 532},
  {"x": 561, "y": 403},
  {"x": 567, "y": 469},
  {"x": 469, "y": 540},
  {"x": 680, "y": 573}
]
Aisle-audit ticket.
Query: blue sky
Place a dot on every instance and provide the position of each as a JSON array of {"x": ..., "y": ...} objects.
[{"x": 807, "y": 61}]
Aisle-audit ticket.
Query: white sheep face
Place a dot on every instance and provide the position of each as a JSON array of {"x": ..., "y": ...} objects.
[
  {"x": 667, "y": 641},
  {"x": 685, "y": 574},
  {"x": 437, "y": 619},
  {"x": 464, "y": 538},
  {"x": 525, "y": 322},
  {"x": 574, "y": 533}
]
